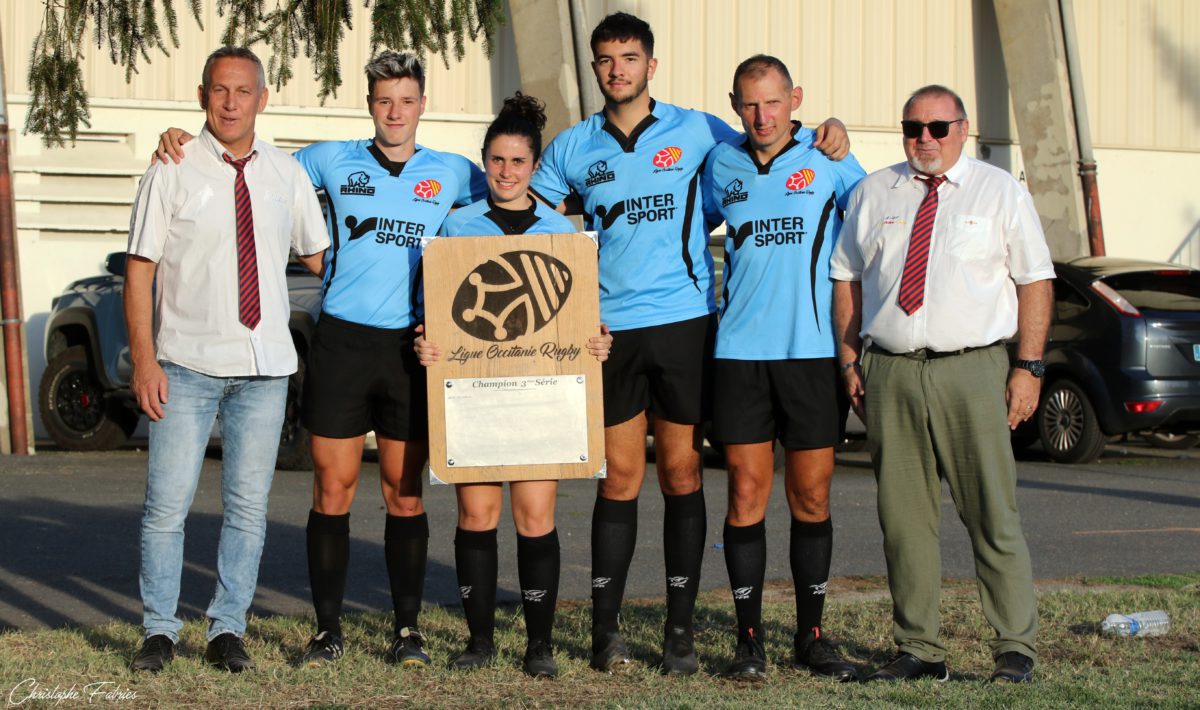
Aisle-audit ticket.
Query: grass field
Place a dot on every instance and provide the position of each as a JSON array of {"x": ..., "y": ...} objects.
[{"x": 1077, "y": 666}]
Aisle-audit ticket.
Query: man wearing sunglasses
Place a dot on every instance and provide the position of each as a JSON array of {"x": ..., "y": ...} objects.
[{"x": 942, "y": 259}]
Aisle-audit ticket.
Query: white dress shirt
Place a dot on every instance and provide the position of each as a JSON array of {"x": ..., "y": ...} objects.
[
  {"x": 986, "y": 239},
  {"x": 184, "y": 219}
]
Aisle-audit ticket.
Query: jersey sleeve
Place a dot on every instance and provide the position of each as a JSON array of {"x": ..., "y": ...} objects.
[
  {"x": 472, "y": 183},
  {"x": 309, "y": 232},
  {"x": 151, "y": 216},
  {"x": 710, "y": 199},
  {"x": 315, "y": 160},
  {"x": 849, "y": 174},
  {"x": 550, "y": 180},
  {"x": 846, "y": 262},
  {"x": 721, "y": 131}
]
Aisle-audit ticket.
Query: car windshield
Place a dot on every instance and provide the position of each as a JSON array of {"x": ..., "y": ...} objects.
[{"x": 1166, "y": 290}]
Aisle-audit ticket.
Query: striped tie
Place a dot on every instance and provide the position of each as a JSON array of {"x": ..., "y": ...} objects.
[
  {"x": 912, "y": 282},
  {"x": 248, "y": 307}
]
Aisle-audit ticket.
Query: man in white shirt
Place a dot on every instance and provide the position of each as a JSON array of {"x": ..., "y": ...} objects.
[
  {"x": 207, "y": 309},
  {"x": 942, "y": 259}
]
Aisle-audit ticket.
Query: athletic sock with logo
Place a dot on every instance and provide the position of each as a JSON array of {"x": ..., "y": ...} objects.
[
  {"x": 537, "y": 569},
  {"x": 812, "y": 549},
  {"x": 476, "y": 561},
  {"x": 405, "y": 547},
  {"x": 614, "y": 534},
  {"x": 328, "y": 542},
  {"x": 684, "y": 524},
  {"x": 746, "y": 560}
]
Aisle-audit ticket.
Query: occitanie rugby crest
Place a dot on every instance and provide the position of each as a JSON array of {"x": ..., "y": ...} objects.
[
  {"x": 667, "y": 157},
  {"x": 512, "y": 296},
  {"x": 801, "y": 179},
  {"x": 427, "y": 189}
]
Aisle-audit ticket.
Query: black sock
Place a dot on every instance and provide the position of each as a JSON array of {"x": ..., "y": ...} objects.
[
  {"x": 684, "y": 524},
  {"x": 537, "y": 568},
  {"x": 476, "y": 560},
  {"x": 746, "y": 560},
  {"x": 406, "y": 546},
  {"x": 812, "y": 549},
  {"x": 328, "y": 538},
  {"x": 614, "y": 534}
]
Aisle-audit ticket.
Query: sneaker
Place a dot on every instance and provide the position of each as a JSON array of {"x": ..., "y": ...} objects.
[
  {"x": 325, "y": 647},
  {"x": 227, "y": 651},
  {"x": 480, "y": 652},
  {"x": 539, "y": 659},
  {"x": 1012, "y": 667},
  {"x": 156, "y": 652},
  {"x": 679, "y": 652},
  {"x": 749, "y": 660},
  {"x": 822, "y": 658},
  {"x": 406, "y": 649},
  {"x": 908, "y": 667},
  {"x": 608, "y": 651}
]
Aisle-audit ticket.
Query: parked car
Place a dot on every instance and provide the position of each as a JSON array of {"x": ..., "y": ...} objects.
[
  {"x": 84, "y": 396},
  {"x": 1123, "y": 357}
]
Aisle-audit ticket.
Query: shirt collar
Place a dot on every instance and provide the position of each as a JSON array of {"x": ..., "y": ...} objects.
[
  {"x": 210, "y": 143},
  {"x": 955, "y": 175}
]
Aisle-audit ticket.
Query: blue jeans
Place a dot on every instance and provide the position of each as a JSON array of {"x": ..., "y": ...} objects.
[{"x": 250, "y": 410}]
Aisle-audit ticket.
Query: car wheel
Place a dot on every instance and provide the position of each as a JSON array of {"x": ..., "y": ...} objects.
[
  {"x": 295, "y": 453},
  {"x": 1067, "y": 424},
  {"x": 1167, "y": 440},
  {"x": 74, "y": 408}
]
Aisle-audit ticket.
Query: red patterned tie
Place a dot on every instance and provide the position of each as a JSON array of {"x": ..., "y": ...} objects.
[
  {"x": 912, "y": 282},
  {"x": 248, "y": 307}
]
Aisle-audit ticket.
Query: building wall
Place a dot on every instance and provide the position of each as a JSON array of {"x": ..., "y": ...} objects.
[{"x": 855, "y": 59}]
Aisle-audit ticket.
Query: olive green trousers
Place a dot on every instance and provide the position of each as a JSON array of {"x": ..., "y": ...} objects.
[{"x": 933, "y": 418}]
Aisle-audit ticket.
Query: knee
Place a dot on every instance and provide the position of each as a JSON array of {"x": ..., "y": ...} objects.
[
  {"x": 478, "y": 520},
  {"x": 332, "y": 497},
  {"x": 810, "y": 505},
  {"x": 405, "y": 506},
  {"x": 747, "y": 502},
  {"x": 679, "y": 475},
  {"x": 533, "y": 523}
]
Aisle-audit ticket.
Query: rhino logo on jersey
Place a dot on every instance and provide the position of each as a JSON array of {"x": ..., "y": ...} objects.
[
  {"x": 513, "y": 295},
  {"x": 358, "y": 184},
  {"x": 598, "y": 173},
  {"x": 734, "y": 193}
]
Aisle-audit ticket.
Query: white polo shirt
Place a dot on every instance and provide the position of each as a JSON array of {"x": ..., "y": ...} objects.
[
  {"x": 183, "y": 219},
  {"x": 986, "y": 239}
]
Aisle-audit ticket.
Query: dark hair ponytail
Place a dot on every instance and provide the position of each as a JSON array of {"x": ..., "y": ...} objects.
[{"x": 521, "y": 115}]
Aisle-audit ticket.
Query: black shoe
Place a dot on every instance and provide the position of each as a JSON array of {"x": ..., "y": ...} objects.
[
  {"x": 539, "y": 659},
  {"x": 749, "y": 660},
  {"x": 608, "y": 651},
  {"x": 679, "y": 652},
  {"x": 406, "y": 649},
  {"x": 325, "y": 647},
  {"x": 822, "y": 658},
  {"x": 1013, "y": 667},
  {"x": 480, "y": 652},
  {"x": 228, "y": 652},
  {"x": 156, "y": 652},
  {"x": 908, "y": 667}
]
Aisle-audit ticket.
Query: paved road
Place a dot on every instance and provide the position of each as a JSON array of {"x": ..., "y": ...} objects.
[{"x": 69, "y": 530}]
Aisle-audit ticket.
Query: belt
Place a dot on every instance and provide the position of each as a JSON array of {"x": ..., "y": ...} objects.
[{"x": 927, "y": 354}]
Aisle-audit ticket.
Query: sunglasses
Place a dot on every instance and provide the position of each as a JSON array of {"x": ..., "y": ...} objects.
[{"x": 937, "y": 129}]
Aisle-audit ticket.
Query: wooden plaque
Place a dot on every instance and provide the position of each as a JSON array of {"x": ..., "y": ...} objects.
[{"x": 516, "y": 396}]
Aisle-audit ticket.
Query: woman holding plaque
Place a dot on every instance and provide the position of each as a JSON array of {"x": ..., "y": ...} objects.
[{"x": 512, "y": 147}]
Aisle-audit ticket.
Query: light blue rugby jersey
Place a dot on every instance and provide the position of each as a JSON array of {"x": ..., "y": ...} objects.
[
  {"x": 641, "y": 193},
  {"x": 378, "y": 212},
  {"x": 782, "y": 221},
  {"x": 475, "y": 220}
]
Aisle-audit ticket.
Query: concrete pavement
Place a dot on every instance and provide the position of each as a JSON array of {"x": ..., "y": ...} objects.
[{"x": 69, "y": 528}]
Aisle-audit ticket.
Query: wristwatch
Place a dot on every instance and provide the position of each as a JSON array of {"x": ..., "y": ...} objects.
[{"x": 1037, "y": 368}]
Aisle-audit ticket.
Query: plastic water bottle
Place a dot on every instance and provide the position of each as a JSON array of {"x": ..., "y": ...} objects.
[{"x": 1143, "y": 623}]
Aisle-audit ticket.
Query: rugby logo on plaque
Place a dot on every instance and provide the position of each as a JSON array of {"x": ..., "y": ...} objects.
[
  {"x": 516, "y": 395},
  {"x": 514, "y": 295}
]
